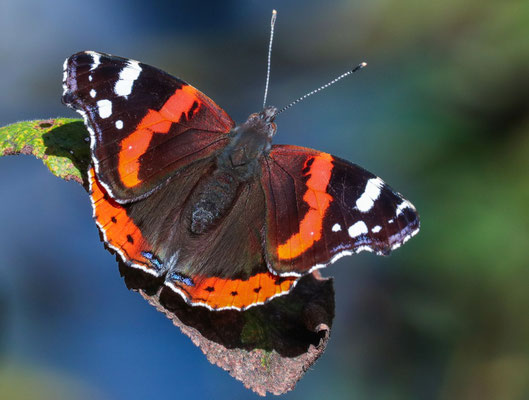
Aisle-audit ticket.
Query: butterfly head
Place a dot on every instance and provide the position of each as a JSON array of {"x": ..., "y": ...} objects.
[
  {"x": 268, "y": 114},
  {"x": 263, "y": 122}
]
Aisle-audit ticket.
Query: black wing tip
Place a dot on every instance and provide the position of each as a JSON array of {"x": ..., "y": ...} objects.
[
  {"x": 70, "y": 67},
  {"x": 82, "y": 57}
]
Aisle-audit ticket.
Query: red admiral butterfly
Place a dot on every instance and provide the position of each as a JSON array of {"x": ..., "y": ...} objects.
[{"x": 227, "y": 219}]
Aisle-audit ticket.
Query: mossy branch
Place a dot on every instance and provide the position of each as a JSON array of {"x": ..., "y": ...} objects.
[{"x": 61, "y": 144}]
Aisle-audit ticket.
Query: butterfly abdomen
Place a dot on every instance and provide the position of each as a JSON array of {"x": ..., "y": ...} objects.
[
  {"x": 235, "y": 165},
  {"x": 212, "y": 199}
]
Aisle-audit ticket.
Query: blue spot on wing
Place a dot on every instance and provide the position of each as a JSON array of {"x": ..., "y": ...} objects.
[
  {"x": 182, "y": 278},
  {"x": 153, "y": 259}
]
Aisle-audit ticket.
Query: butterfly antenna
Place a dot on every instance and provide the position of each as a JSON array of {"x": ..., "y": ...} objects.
[
  {"x": 352, "y": 71},
  {"x": 272, "y": 23}
]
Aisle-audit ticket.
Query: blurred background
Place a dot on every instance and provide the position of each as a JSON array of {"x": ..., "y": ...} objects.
[{"x": 441, "y": 114}]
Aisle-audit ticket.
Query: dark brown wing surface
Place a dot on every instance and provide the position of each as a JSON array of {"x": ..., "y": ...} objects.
[
  {"x": 320, "y": 208},
  {"x": 144, "y": 124}
]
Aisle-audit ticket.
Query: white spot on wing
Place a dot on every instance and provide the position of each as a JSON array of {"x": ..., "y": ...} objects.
[
  {"x": 336, "y": 228},
  {"x": 371, "y": 193},
  {"x": 376, "y": 229},
  {"x": 93, "y": 93},
  {"x": 96, "y": 59},
  {"x": 357, "y": 229},
  {"x": 119, "y": 124},
  {"x": 402, "y": 206},
  {"x": 105, "y": 108},
  {"x": 127, "y": 76}
]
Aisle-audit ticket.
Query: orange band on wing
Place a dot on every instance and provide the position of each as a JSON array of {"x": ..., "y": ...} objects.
[
  {"x": 318, "y": 200},
  {"x": 137, "y": 143},
  {"x": 220, "y": 293},
  {"x": 119, "y": 230}
]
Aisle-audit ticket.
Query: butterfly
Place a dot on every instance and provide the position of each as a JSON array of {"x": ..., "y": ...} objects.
[{"x": 213, "y": 209}]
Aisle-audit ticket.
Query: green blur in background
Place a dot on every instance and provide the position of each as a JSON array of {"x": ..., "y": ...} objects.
[
  {"x": 463, "y": 295},
  {"x": 441, "y": 113}
]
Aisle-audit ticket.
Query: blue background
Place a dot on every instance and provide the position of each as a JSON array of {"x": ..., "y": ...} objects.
[{"x": 441, "y": 114}]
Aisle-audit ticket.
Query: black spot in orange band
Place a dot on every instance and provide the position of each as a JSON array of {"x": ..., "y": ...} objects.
[
  {"x": 118, "y": 229},
  {"x": 219, "y": 293}
]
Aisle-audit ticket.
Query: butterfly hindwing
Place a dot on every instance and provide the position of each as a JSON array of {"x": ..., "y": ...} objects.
[
  {"x": 222, "y": 268},
  {"x": 144, "y": 123},
  {"x": 117, "y": 229},
  {"x": 225, "y": 267},
  {"x": 320, "y": 207}
]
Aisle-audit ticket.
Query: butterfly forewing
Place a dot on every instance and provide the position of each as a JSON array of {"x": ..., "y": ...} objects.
[
  {"x": 144, "y": 123},
  {"x": 320, "y": 207}
]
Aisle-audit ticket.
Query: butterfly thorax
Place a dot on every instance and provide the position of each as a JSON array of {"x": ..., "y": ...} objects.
[
  {"x": 238, "y": 163},
  {"x": 248, "y": 143}
]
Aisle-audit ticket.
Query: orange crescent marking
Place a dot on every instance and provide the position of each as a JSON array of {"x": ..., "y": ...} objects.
[
  {"x": 318, "y": 200},
  {"x": 221, "y": 293},
  {"x": 137, "y": 143},
  {"x": 119, "y": 229}
]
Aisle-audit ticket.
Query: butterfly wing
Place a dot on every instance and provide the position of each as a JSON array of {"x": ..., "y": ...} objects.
[
  {"x": 225, "y": 268},
  {"x": 222, "y": 269},
  {"x": 144, "y": 124},
  {"x": 320, "y": 208}
]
